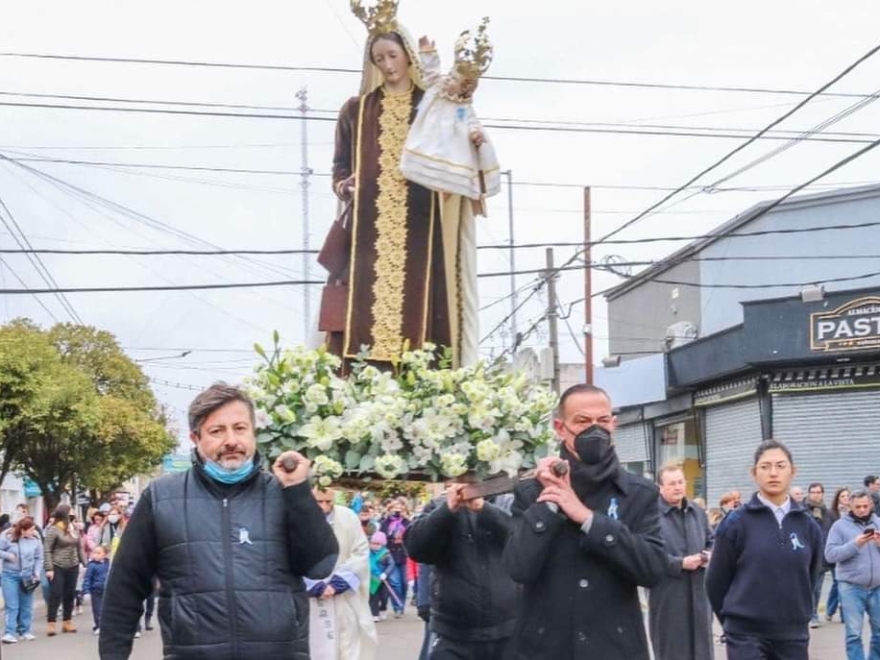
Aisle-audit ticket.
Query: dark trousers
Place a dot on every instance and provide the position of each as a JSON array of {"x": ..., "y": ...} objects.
[
  {"x": 376, "y": 602},
  {"x": 747, "y": 647},
  {"x": 62, "y": 592},
  {"x": 448, "y": 649},
  {"x": 97, "y": 602}
]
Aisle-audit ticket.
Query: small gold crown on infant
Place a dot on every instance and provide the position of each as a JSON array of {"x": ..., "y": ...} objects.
[{"x": 473, "y": 52}]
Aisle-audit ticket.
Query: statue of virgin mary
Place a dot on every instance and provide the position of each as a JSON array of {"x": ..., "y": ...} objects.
[{"x": 411, "y": 273}]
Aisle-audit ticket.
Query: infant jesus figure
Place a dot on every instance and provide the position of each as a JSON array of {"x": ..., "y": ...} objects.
[{"x": 447, "y": 149}]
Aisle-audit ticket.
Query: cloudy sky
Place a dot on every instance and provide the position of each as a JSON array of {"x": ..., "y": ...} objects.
[{"x": 562, "y": 48}]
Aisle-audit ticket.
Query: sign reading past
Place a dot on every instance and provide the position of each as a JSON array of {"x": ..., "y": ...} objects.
[{"x": 853, "y": 326}]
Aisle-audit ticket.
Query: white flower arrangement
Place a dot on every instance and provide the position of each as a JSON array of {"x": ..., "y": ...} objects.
[{"x": 423, "y": 420}]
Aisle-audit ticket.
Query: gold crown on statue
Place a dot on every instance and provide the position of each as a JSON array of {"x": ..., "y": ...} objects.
[
  {"x": 473, "y": 52},
  {"x": 379, "y": 16}
]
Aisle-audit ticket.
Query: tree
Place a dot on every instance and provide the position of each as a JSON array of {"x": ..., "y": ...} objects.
[
  {"x": 27, "y": 359},
  {"x": 75, "y": 407}
]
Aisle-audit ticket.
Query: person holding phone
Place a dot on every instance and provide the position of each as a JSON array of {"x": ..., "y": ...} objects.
[{"x": 854, "y": 546}]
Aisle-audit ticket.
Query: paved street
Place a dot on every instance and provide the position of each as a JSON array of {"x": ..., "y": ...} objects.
[{"x": 399, "y": 640}]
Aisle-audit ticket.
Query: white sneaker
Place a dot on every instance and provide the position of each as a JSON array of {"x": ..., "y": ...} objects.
[
  {"x": 28, "y": 637},
  {"x": 9, "y": 639},
  {"x": 376, "y": 619},
  {"x": 137, "y": 635},
  {"x": 96, "y": 631}
]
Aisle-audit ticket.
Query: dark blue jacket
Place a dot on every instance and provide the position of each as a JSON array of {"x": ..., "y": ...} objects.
[
  {"x": 761, "y": 576},
  {"x": 96, "y": 576}
]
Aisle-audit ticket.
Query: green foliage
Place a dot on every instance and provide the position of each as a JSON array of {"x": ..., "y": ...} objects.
[{"x": 75, "y": 409}]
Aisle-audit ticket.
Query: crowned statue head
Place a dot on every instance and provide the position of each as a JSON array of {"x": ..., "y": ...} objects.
[
  {"x": 473, "y": 55},
  {"x": 391, "y": 53}
]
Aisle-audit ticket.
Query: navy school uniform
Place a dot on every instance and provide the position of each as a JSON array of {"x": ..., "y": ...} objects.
[{"x": 761, "y": 577}]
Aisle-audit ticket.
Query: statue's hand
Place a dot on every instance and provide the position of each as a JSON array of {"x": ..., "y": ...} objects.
[
  {"x": 425, "y": 43},
  {"x": 477, "y": 138}
]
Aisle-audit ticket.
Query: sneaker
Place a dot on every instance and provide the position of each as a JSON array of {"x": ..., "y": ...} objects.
[
  {"x": 398, "y": 615},
  {"x": 814, "y": 623},
  {"x": 376, "y": 619},
  {"x": 383, "y": 616},
  {"x": 9, "y": 639},
  {"x": 79, "y": 610},
  {"x": 137, "y": 635},
  {"x": 96, "y": 631},
  {"x": 28, "y": 637}
]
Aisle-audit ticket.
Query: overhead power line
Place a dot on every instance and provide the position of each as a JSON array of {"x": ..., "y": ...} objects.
[
  {"x": 506, "y": 122},
  {"x": 189, "y": 287},
  {"x": 619, "y": 241},
  {"x": 551, "y": 128},
  {"x": 352, "y": 71},
  {"x": 760, "y": 134}
]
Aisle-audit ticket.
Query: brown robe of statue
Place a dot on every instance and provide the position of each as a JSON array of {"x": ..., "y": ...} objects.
[{"x": 396, "y": 278}]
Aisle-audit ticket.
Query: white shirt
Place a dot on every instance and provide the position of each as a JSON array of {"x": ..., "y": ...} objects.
[{"x": 779, "y": 510}]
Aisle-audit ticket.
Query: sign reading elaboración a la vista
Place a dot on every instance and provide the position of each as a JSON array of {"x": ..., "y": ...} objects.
[{"x": 853, "y": 326}]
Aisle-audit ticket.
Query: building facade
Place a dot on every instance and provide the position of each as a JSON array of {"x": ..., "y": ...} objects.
[{"x": 767, "y": 362}]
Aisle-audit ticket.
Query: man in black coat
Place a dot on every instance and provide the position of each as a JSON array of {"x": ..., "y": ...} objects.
[
  {"x": 583, "y": 542},
  {"x": 815, "y": 505},
  {"x": 229, "y": 543},
  {"x": 474, "y": 603},
  {"x": 679, "y": 610}
]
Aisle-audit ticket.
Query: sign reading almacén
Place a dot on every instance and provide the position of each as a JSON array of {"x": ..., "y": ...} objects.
[{"x": 853, "y": 326}]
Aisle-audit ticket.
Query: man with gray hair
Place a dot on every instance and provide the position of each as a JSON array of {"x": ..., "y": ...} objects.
[
  {"x": 854, "y": 546},
  {"x": 229, "y": 542}
]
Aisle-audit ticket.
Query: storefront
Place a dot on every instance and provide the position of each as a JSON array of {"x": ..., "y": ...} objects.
[
  {"x": 829, "y": 420},
  {"x": 804, "y": 373}
]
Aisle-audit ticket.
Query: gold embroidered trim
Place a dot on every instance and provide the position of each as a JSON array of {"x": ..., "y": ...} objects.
[{"x": 391, "y": 234}]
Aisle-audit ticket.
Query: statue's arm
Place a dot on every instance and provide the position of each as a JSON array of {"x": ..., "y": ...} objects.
[
  {"x": 430, "y": 60},
  {"x": 343, "y": 165}
]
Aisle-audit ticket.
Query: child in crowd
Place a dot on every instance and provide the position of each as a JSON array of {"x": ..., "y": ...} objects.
[
  {"x": 447, "y": 149},
  {"x": 380, "y": 563},
  {"x": 94, "y": 581}
]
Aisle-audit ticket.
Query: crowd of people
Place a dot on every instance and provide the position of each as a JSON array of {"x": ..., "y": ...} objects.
[
  {"x": 554, "y": 570},
  {"x": 67, "y": 560}
]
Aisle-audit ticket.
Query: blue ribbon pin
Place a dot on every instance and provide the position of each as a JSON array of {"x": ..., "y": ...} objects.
[{"x": 612, "y": 508}]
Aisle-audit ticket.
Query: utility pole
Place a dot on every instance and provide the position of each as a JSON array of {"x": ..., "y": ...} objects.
[
  {"x": 305, "y": 173},
  {"x": 552, "y": 315},
  {"x": 512, "y": 252},
  {"x": 588, "y": 288}
]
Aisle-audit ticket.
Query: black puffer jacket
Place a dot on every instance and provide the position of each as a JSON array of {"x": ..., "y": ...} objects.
[
  {"x": 474, "y": 598},
  {"x": 229, "y": 561}
]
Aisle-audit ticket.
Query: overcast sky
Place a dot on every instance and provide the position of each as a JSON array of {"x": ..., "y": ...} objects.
[{"x": 777, "y": 45}]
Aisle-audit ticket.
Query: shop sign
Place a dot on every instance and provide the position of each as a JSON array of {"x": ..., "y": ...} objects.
[{"x": 854, "y": 326}]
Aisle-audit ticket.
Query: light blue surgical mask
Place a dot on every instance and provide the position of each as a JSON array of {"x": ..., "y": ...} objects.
[{"x": 224, "y": 476}]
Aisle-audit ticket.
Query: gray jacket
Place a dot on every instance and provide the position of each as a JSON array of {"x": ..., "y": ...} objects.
[{"x": 860, "y": 566}]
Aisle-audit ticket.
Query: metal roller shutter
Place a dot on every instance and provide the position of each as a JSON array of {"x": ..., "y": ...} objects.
[
  {"x": 630, "y": 443},
  {"x": 833, "y": 436},
  {"x": 733, "y": 432}
]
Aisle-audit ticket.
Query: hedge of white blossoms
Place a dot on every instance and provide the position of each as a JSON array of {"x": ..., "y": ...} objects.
[{"x": 420, "y": 421}]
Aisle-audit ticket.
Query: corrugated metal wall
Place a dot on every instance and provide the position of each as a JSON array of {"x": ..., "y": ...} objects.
[
  {"x": 630, "y": 441},
  {"x": 834, "y": 437},
  {"x": 733, "y": 432}
]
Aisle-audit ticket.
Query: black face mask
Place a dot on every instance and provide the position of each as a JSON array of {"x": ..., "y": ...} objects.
[{"x": 593, "y": 445}]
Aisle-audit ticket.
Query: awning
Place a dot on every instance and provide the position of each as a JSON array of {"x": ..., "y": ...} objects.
[
  {"x": 730, "y": 391},
  {"x": 826, "y": 378}
]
